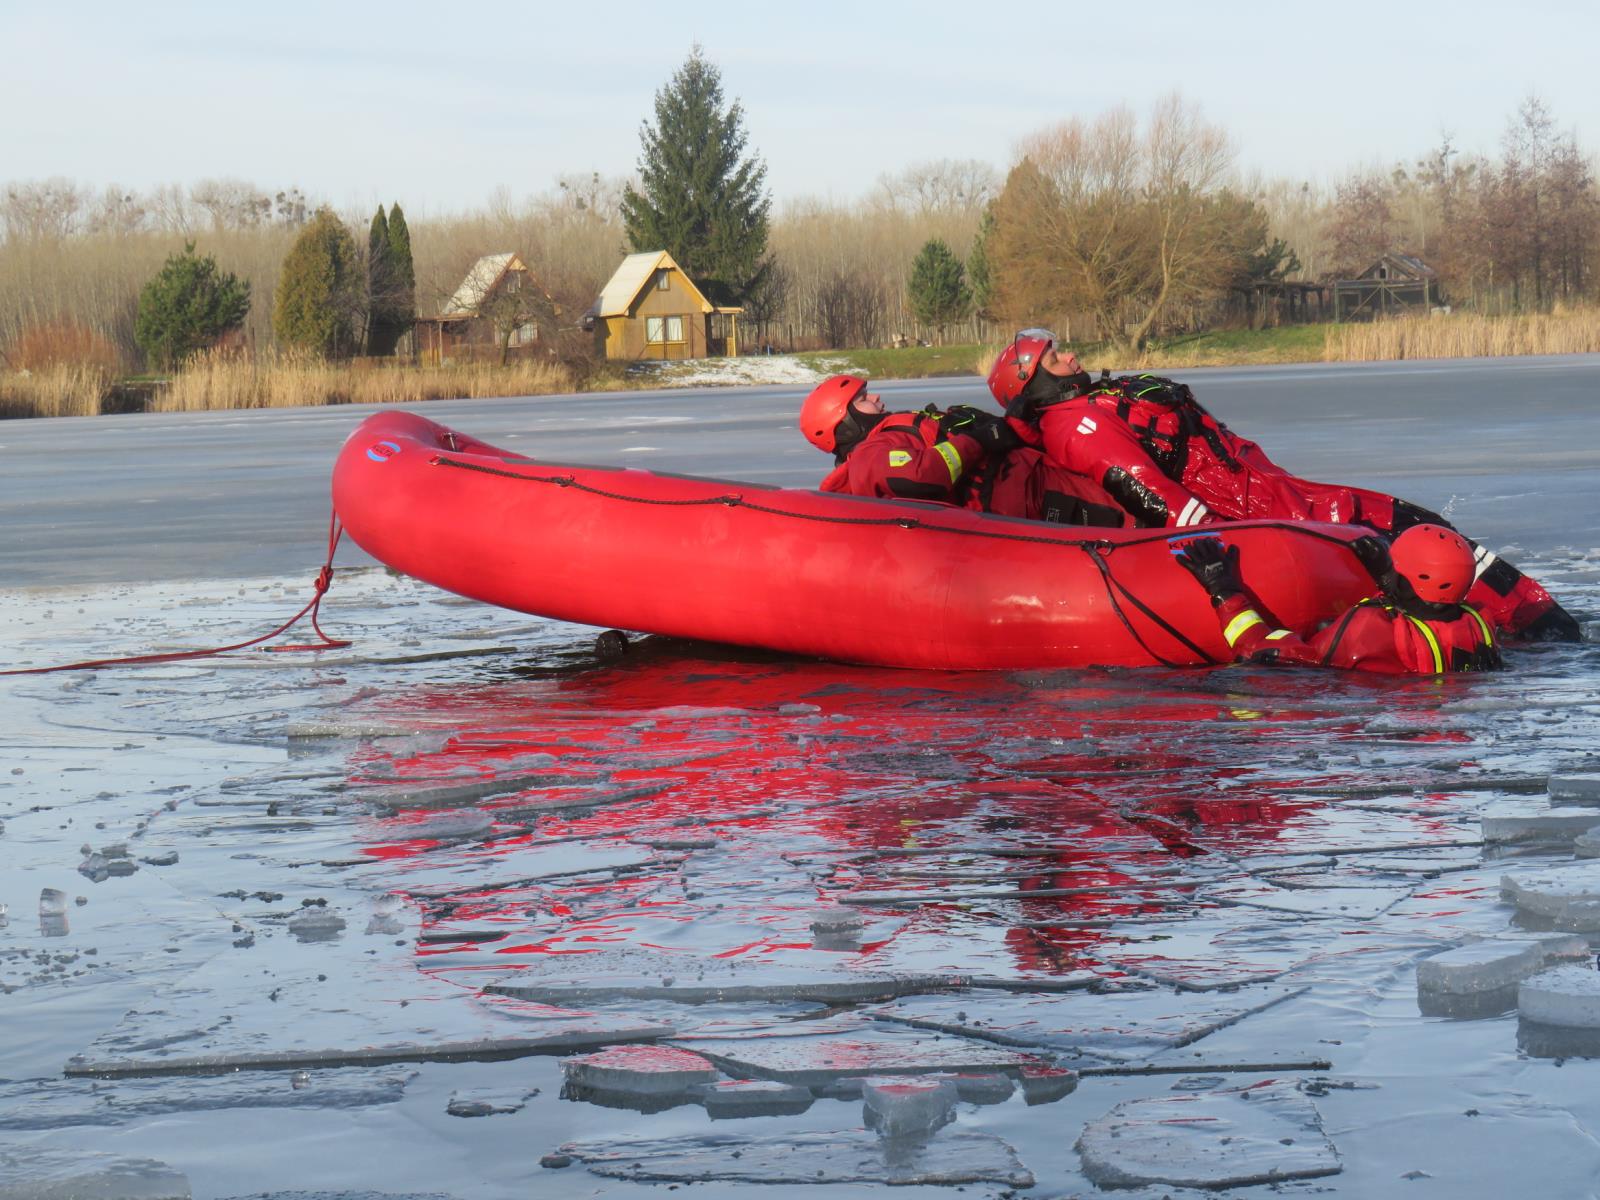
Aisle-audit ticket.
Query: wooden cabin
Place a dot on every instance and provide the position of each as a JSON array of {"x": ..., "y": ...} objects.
[
  {"x": 651, "y": 309},
  {"x": 1394, "y": 285},
  {"x": 498, "y": 311}
]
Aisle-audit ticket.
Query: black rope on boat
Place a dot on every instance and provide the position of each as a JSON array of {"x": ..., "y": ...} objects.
[{"x": 1098, "y": 549}]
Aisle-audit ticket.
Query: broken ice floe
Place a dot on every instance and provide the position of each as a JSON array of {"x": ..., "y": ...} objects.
[
  {"x": 489, "y": 1102},
  {"x": 817, "y": 1062},
  {"x": 1523, "y": 821},
  {"x": 1566, "y": 996},
  {"x": 606, "y": 975},
  {"x": 951, "y": 1158},
  {"x": 639, "y": 1070},
  {"x": 58, "y": 1103},
  {"x": 736, "y": 1098},
  {"x": 42, "y": 1174},
  {"x": 1575, "y": 789},
  {"x": 306, "y": 1013},
  {"x": 1217, "y": 1139},
  {"x": 908, "y": 1108},
  {"x": 1566, "y": 897},
  {"x": 1119, "y": 1026}
]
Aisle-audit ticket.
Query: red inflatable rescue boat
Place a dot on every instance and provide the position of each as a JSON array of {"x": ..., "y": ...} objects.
[{"x": 883, "y": 582}]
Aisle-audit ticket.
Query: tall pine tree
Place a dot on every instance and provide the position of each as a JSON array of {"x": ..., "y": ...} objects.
[
  {"x": 379, "y": 285},
  {"x": 391, "y": 282},
  {"x": 404, "y": 278},
  {"x": 700, "y": 198}
]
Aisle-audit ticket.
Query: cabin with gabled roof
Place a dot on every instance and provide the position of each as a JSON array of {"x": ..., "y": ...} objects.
[
  {"x": 499, "y": 311},
  {"x": 1395, "y": 284},
  {"x": 650, "y": 308}
]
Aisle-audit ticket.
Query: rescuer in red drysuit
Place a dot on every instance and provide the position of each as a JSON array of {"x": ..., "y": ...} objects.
[
  {"x": 1169, "y": 462},
  {"x": 1417, "y": 624},
  {"x": 964, "y": 457}
]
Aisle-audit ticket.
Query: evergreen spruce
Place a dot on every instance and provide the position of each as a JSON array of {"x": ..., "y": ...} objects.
[
  {"x": 379, "y": 286},
  {"x": 978, "y": 277},
  {"x": 404, "y": 277},
  {"x": 701, "y": 199},
  {"x": 187, "y": 306},
  {"x": 938, "y": 289},
  {"x": 319, "y": 292}
]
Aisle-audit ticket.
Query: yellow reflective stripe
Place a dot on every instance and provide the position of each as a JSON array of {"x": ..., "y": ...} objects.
[
  {"x": 952, "y": 459},
  {"x": 899, "y": 458},
  {"x": 1433, "y": 643},
  {"x": 1276, "y": 634},
  {"x": 1237, "y": 627},
  {"x": 1488, "y": 634}
]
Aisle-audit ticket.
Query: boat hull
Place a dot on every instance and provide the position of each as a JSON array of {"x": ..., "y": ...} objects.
[{"x": 880, "y": 582}]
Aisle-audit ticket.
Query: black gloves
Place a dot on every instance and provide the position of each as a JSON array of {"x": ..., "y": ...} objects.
[
  {"x": 1216, "y": 567},
  {"x": 993, "y": 433},
  {"x": 1373, "y": 552}
]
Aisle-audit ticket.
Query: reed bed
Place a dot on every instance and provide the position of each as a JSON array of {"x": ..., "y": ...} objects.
[
  {"x": 59, "y": 390},
  {"x": 222, "y": 381},
  {"x": 1575, "y": 331}
]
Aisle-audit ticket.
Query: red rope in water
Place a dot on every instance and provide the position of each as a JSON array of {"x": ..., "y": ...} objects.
[{"x": 324, "y": 579}]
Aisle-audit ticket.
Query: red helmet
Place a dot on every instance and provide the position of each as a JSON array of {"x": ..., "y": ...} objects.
[
  {"x": 827, "y": 405},
  {"x": 1436, "y": 562},
  {"x": 1017, "y": 364}
]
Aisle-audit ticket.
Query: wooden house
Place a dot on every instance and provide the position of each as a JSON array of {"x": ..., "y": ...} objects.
[
  {"x": 498, "y": 312},
  {"x": 1395, "y": 284},
  {"x": 651, "y": 309}
]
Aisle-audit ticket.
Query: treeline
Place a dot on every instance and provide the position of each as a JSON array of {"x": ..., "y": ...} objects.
[{"x": 1120, "y": 227}]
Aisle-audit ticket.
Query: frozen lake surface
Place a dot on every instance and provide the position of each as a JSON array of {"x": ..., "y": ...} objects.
[{"x": 466, "y": 911}]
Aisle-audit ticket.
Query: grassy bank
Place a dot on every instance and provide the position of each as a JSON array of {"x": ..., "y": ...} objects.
[{"x": 228, "y": 382}]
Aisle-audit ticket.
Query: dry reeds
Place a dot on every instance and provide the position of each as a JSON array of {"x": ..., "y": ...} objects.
[
  {"x": 219, "y": 380},
  {"x": 59, "y": 390},
  {"x": 1574, "y": 331}
]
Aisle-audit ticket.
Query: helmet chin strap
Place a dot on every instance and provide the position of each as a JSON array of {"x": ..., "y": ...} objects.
[{"x": 847, "y": 434}]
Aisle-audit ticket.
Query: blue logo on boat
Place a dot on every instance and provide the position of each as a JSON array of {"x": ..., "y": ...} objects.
[{"x": 381, "y": 451}]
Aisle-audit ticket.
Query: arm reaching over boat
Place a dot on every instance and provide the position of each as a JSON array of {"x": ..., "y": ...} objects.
[{"x": 1416, "y": 624}]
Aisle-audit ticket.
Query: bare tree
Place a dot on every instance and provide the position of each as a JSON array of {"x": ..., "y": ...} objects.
[{"x": 41, "y": 210}]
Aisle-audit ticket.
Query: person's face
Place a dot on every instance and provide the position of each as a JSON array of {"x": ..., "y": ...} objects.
[
  {"x": 868, "y": 402},
  {"x": 1056, "y": 361}
]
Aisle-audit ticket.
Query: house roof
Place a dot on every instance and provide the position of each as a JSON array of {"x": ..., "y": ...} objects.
[
  {"x": 479, "y": 282},
  {"x": 1407, "y": 265},
  {"x": 628, "y": 280}
]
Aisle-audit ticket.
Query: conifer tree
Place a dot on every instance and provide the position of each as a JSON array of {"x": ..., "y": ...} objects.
[
  {"x": 319, "y": 292},
  {"x": 187, "y": 306},
  {"x": 700, "y": 197},
  {"x": 978, "y": 277},
  {"x": 380, "y": 319},
  {"x": 938, "y": 289},
  {"x": 404, "y": 277}
]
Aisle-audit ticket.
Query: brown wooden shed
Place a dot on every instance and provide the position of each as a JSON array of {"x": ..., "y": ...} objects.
[
  {"x": 651, "y": 309},
  {"x": 1395, "y": 284}
]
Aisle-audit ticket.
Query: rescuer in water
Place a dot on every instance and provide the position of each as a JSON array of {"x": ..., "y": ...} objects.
[
  {"x": 1417, "y": 624},
  {"x": 1169, "y": 462},
  {"x": 961, "y": 456}
]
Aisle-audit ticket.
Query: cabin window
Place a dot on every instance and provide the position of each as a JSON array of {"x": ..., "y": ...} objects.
[
  {"x": 525, "y": 335},
  {"x": 663, "y": 329},
  {"x": 661, "y": 280}
]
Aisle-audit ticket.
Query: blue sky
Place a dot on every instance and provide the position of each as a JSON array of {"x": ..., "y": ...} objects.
[{"x": 439, "y": 105}]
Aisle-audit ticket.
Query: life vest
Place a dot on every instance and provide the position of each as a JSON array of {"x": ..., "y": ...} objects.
[
  {"x": 1165, "y": 417},
  {"x": 1433, "y": 646}
]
